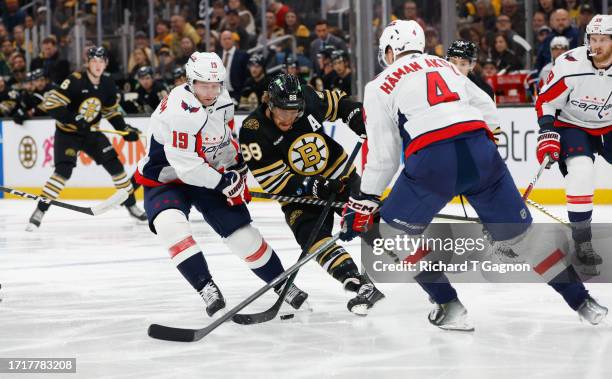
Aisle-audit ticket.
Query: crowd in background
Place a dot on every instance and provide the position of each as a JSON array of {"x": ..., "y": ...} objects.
[{"x": 321, "y": 59}]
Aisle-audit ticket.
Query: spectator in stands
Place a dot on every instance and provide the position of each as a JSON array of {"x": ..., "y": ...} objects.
[
  {"x": 187, "y": 48},
  {"x": 162, "y": 33},
  {"x": 14, "y": 15},
  {"x": 586, "y": 14},
  {"x": 547, "y": 7},
  {"x": 179, "y": 76},
  {"x": 214, "y": 37},
  {"x": 150, "y": 91},
  {"x": 541, "y": 36},
  {"x": 235, "y": 62},
  {"x": 19, "y": 40},
  {"x": 166, "y": 64},
  {"x": 17, "y": 64},
  {"x": 280, "y": 10},
  {"x": 29, "y": 23},
  {"x": 489, "y": 68},
  {"x": 573, "y": 8},
  {"x": 411, "y": 12},
  {"x": 3, "y": 32},
  {"x": 485, "y": 16},
  {"x": 141, "y": 41},
  {"x": 538, "y": 20},
  {"x": 6, "y": 49},
  {"x": 255, "y": 85},
  {"x": 518, "y": 44},
  {"x": 324, "y": 39},
  {"x": 63, "y": 18},
  {"x": 247, "y": 21},
  {"x": 216, "y": 15},
  {"x": 299, "y": 31},
  {"x": 231, "y": 22},
  {"x": 55, "y": 68},
  {"x": 505, "y": 59},
  {"x": 140, "y": 59},
  {"x": 517, "y": 18},
  {"x": 432, "y": 42},
  {"x": 466, "y": 10},
  {"x": 560, "y": 24},
  {"x": 181, "y": 28},
  {"x": 272, "y": 31},
  {"x": 342, "y": 67}
]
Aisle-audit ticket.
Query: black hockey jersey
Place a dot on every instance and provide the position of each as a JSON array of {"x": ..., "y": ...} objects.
[
  {"x": 148, "y": 101},
  {"x": 280, "y": 161},
  {"x": 77, "y": 95}
]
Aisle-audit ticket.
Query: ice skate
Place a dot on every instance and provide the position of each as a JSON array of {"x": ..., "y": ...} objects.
[
  {"x": 592, "y": 311},
  {"x": 367, "y": 296},
  {"x": 35, "y": 220},
  {"x": 136, "y": 212},
  {"x": 213, "y": 298},
  {"x": 587, "y": 260},
  {"x": 451, "y": 316},
  {"x": 294, "y": 297}
]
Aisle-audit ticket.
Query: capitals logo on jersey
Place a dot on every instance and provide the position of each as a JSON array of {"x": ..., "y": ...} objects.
[{"x": 189, "y": 108}]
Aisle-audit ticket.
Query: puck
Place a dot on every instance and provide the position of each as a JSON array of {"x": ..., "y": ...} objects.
[{"x": 287, "y": 317}]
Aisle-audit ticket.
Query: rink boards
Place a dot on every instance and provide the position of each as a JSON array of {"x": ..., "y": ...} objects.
[{"x": 27, "y": 157}]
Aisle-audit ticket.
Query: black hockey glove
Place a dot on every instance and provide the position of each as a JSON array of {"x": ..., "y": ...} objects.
[
  {"x": 322, "y": 188},
  {"x": 132, "y": 135}
]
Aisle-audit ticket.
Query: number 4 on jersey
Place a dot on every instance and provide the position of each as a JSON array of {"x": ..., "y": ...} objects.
[{"x": 438, "y": 91}]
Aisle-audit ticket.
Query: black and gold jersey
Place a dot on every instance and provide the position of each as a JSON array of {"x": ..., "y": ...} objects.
[
  {"x": 280, "y": 161},
  {"x": 77, "y": 95}
]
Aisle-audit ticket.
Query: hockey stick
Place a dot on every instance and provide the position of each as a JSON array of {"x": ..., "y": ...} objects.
[
  {"x": 269, "y": 314},
  {"x": 190, "y": 335},
  {"x": 119, "y": 132},
  {"x": 117, "y": 198},
  {"x": 338, "y": 204},
  {"x": 546, "y": 211},
  {"x": 545, "y": 163}
]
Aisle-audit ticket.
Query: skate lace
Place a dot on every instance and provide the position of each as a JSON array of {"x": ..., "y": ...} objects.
[
  {"x": 586, "y": 249},
  {"x": 209, "y": 293}
]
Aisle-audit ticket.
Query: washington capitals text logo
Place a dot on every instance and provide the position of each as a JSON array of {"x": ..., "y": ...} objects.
[{"x": 189, "y": 108}]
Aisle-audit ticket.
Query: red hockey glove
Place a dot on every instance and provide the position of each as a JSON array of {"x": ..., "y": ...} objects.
[
  {"x": 358, "y": 215},
  {"x": 548, "y": 144}
]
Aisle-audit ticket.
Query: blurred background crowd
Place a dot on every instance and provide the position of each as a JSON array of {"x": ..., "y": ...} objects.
[{"x": 43, "y": 41}]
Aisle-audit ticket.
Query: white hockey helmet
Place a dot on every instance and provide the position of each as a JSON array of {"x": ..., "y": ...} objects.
[
  {"x": 559, "y": 41},
  {"x": 204, "y": 67},
  {"x": 599, "y": 24},
  {"x": 401, "y": 36}
]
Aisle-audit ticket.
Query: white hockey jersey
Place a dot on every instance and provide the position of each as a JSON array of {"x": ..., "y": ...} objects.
[
  {"x": 418, "y": 100},
  {"x": 189, "y": 143},
  {"x": 576, "y": 94}
]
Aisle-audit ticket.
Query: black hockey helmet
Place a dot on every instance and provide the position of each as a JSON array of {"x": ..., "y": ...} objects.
[
  {"x": 326, "y": 51},
  {"x": 290, "y": 61},
  {"x": 37, "y": 74},
  {"x": 179, "y": 72},
  {"x": 257, "y": 59},
  {"x": 144, "y": 71},
  {"x": 462, "y": 49},
  {"x": 97, "y": 52},
  {"x": 339, "y": 55},
  {"x": 286, "y": 92}
]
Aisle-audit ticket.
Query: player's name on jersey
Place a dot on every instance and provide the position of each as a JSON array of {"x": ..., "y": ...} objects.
[
  {"x": 472, "y": 265},
  {"x": 394, "y": 77}
]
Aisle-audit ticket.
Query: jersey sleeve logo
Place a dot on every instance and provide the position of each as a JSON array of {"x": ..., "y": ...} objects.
[
  {"x": 189, "y": 108},
  {"x": 569, "y": 57},
  {"x": 251, "y": 123},
  {"x": 550, "y": 77}
]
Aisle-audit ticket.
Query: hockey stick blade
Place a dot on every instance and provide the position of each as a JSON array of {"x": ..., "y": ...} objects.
[
  {"x": 168, "y": 333},
  {"x": 117, "y": 198}
]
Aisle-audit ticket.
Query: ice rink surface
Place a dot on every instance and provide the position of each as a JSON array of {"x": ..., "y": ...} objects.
[{"x": 88, "y": 287}]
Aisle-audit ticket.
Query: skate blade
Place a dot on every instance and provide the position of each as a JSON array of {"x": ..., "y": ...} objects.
[
  {"x": 457, "y": 327},
  {"x": 31, "y": 228},
  {"x": 363, "y": 310},
  {"x": 588, "y": 270},
  {"x": 596, "y": 320}
]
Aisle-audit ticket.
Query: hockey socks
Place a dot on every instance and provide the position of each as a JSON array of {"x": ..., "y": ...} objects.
[
  {"x": 437, "y": 286},
  {"x": 195, "y": 270},
  {"x": 569, "y": 285},
  {"x": 271, "y": 269}
]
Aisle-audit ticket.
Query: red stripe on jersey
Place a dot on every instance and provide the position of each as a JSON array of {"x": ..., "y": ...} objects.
[
  {"x": 238, "y": 153},
  {"x": 441, "y": 134},
  {"x": 585, "y": 199},
  {"x": 150, "y": 182},
  {"x": 417, "y": 256},
  {"x": 231, "y": 124},
  {"x": 552, "y": 93},
  {"x": 198, "y": 146},
  {"x": 594, "y": 132},
  {"x": 550, "y": 261},
  {"x": 181, "y": 246},
  {"x": 258, "y": 254}
]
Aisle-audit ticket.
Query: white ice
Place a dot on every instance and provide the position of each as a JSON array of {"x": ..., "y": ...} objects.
[{"x": 88, "y": 287}]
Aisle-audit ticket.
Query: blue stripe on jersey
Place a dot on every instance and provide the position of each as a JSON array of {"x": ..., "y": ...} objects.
[
  {"x": 157, "y": 161},
  {"x": 401, "y": 118}
]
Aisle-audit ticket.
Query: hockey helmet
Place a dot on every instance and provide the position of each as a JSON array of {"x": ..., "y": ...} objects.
[
  {"x": 204, "y": 67},
  {"x": 599, "y": 24},
  {"x": 178, "y": 72},
  {"x": 462, "y": 49},
  {"x": 144, "y": 71},
  {"x": 340, "y": 55},
  {"x": 290, "y": 61},
  {"x": 39, "y": 73},
  {"x": 257, "y": 59},
  {"x": 401, "y": 36},
  {"x": 97, "y": 52},
  {"x": 286, "y": 92}
]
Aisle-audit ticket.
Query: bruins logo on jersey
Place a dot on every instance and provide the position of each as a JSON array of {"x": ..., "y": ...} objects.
[
  {"x": 308, "y": 154},
  {"x": 90, "y": 108}
]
